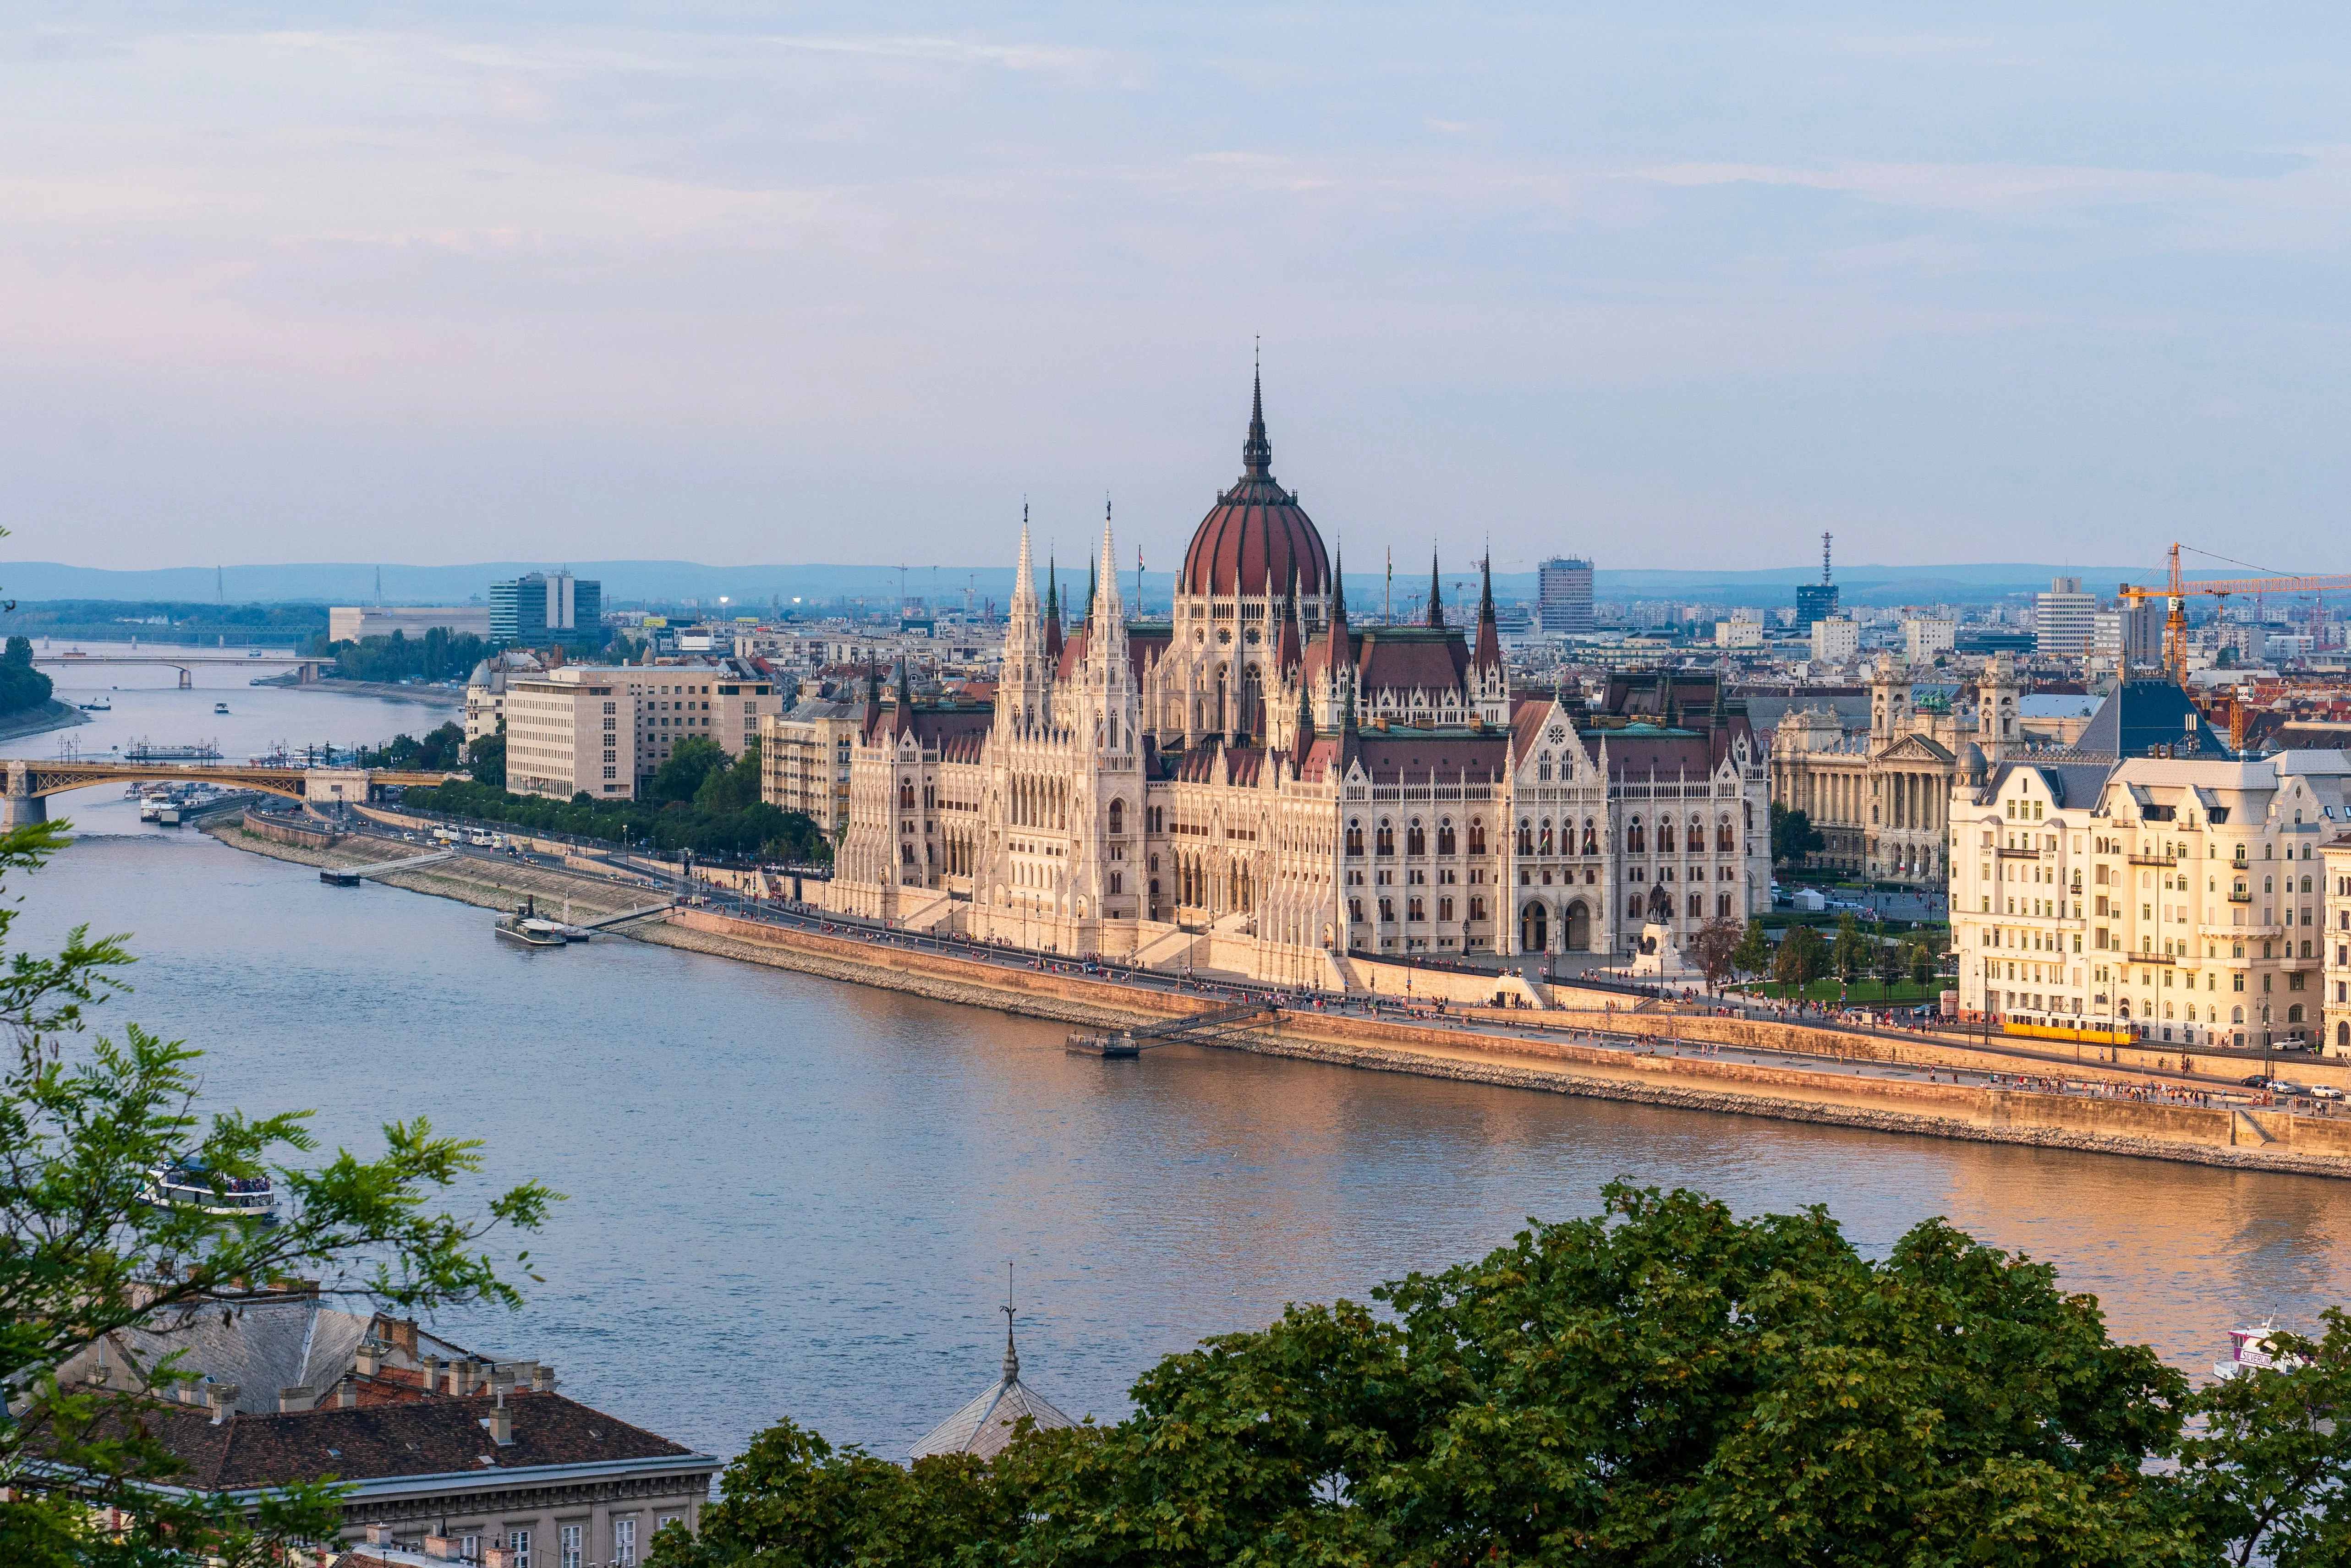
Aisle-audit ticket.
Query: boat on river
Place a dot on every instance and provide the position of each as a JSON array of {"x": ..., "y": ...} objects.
[
  {"x": 2251, "y": 1352},
  {"x": 100, "y": 705},
  {"x": 220, "y": 707},
  {"x": 527, "y": 927},
  {"x": 186, "y": 1183}
]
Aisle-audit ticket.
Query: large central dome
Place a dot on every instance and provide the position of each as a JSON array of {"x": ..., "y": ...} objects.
[{"x": 1255, "y": 533}]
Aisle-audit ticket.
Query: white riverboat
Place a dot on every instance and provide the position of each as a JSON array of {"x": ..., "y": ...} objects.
[
  {"x": 186, "y": 1184},
  {"x": 2250, "y": 1351}
]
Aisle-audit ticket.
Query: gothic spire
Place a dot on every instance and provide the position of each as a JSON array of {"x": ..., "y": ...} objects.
[
  {"x": 1339, "y": 645},
  {"x": 1435, "y": 600},
  {"x": 1256, "y": 452}
]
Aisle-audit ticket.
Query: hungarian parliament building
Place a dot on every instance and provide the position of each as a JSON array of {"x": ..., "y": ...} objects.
[{"x": 1256, "y": 786}]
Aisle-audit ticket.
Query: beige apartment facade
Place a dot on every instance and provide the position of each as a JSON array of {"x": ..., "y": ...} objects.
[
  {"x": 2335, "y": 940},
  {"x": 570, "y": 732},
  {"x": 804, "y": 761},
  {"x": 722, "y": 701},
  {"x": 2181, "y": 899}
]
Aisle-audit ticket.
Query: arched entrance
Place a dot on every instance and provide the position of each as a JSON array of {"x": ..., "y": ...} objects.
[
  {"x": 1579, "y": 927},
  {"x": 1534, "y": 929}
]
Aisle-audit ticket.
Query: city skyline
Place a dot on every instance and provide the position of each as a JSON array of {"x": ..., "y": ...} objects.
[{"x": 1700, "y": 288}]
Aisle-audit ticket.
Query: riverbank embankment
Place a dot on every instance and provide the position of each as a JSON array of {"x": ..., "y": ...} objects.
[{"x": 1671, "y": 1063}]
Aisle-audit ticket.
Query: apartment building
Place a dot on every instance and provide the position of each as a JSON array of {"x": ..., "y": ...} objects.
[
  {"x": 2181, "y": 899},
  {"x": 432, "y": 1442},
  {"x": 1925, "y": 637},
  {"x": 1835, "y": 640},
  {"x": 2063, "y": 618},
  {"x": 721, "y": 700},
  {"x": 804, "y": 761},
  {"x": 2336, "y": 943},
  {"x": 570, "y": 731}
]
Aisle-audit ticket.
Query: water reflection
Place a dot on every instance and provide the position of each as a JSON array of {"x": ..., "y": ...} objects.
[{"x": 788, "y": 1195}]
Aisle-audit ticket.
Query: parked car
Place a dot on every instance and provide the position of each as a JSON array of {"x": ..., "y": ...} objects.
[
  {"x": 2257, "y": 1081},
  {"x": 2324, "y": 1092}
]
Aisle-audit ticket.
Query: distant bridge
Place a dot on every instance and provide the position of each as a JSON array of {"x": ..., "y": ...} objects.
[
  {"x": 185, "y": 663},
  {"x": 30, "y": 783}
]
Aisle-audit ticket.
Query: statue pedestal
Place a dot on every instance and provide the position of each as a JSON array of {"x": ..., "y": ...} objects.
[{"x": 1660, "y": 956}]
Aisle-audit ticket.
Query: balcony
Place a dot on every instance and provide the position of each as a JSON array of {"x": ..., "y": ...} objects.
[
  {"x": 2241, "y": 897},
  {"x": 2018, "y": 853},
  {"x": 2152, "y": 859}
]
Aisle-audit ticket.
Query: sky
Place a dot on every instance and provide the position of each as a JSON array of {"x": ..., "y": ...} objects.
[{"x": 1671, "y": 285}]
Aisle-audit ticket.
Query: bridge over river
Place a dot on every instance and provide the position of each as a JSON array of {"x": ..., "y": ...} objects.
[
  {"x": 304, "y": 665},
  {"x": 30, "y": 783}
]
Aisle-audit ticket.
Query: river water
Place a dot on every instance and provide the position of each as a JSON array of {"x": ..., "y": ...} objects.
[{"x": 789, "y": 1196}]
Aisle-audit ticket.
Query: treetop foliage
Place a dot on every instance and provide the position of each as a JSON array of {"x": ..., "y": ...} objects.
[{"x": 1662, "y": 1384}]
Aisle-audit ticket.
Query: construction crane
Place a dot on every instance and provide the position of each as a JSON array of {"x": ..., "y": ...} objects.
[{"x": 2175, "y": 592}]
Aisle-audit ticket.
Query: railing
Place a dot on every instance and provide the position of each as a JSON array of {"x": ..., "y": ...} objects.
[{"x": 2152, "y": 859}]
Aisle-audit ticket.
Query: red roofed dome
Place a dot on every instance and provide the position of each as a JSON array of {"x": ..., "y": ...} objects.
[{"x": 1255, "y": 533}]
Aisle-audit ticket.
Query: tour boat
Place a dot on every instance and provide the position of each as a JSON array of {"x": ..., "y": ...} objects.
[
  {"x": 2250, "y": 1349},
  {"x": 101, "y": 705},
  {"x": 186, "y": 1184},
  {"x": 527, "y": 927}
]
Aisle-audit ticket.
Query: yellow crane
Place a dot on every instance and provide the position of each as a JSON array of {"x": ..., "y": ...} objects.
[{"x": 2176, "y": 591}]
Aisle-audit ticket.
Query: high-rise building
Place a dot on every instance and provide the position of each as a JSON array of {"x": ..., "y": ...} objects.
[
  {"x": 1564, "y": 594},
  {"x": 2133, "y": 633},
  {"x": 1816, "y": 601},
  {"x": 1927, "y": 635},
  {"x": 2063, "y": 618},
  {"x": 526, "y": 610}
]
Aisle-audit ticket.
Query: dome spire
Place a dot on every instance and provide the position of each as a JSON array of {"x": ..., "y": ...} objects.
[{"x": 1256, "y": 452}]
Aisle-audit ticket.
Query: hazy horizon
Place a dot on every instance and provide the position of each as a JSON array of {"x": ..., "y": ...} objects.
[{"x": 723, "y": 282}]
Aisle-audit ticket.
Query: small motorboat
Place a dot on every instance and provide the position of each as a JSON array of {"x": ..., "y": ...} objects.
[
  {"x": 220, "y": 707},
  {"x": 100, "y": 705},
  {"x": 185, "y": 1183}
]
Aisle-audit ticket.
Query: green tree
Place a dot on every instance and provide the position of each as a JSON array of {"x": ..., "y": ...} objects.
[
  {"x": 1662, "y": 1384},
  {"x": 1753, "y": 955},
  {"x": 85, "y": 1123},
  {"x": 1849, "y": 952},
  {"x": 731, "y": 786},
  {"x": 1792, "y": 836},
  {"x": 2269, "y": 1472},
  {"x": 440, "y": 750},
  {"x": 691, "y": 761},
  {"x": 21, "y": 685},
  {"x": 1925, "y": 959},
  {"x": 1714, "y": 947},
  {"x": 1803, "y": 958},
  {"x": 485, "y": 758}
]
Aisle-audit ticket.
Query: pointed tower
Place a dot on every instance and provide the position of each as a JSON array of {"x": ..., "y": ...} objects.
[
  {"x": 1435, "y": 596},
  {"x": 1021, "y": 692},
  {"x": 902, "y": 720},
  {"x": 1052, "y": 622},
  {"x": 1339, "y": 654},
  {"x": 1490, "y": 680}
]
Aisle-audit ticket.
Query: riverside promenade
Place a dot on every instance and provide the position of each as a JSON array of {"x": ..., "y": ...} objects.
[{"x": 1592, "y": 1044}]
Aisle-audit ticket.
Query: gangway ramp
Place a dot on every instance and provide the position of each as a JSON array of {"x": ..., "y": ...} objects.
[
  {"x": 1199, "y": 1029},
  {"x": 611, "y": 922},
  {"x": 352, "y": 875}
]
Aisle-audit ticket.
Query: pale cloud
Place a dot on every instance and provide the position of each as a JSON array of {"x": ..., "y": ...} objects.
[{"x": 1716, "y": 280}]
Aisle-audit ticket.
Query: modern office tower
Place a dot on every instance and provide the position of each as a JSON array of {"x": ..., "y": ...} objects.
[
  {"x": 527, "y": 609},
  {"x": 1564, "y": 594},
  {"x": 2063, "y": 618},
  {"x": 1816, "y": 601}
]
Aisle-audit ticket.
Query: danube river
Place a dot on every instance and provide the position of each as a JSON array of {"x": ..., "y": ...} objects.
[{"x": 789, "y": 1196}]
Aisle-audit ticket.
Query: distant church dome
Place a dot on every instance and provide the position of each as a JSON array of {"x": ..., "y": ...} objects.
[{"x": 1256, "y": 531}]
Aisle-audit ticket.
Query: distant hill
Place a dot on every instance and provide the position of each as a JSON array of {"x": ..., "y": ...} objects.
[{"x": 755, "y": 586}]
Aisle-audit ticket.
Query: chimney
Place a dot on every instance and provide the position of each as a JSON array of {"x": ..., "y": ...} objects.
[
  {"x": 298, "y": 1397},
  {"x": 441, "y": 1546},
  {"x": 542, "y": 1378},
  {"x": 379, "y": 1535},
  {"x": 403, "y": 1333},
  {"x": 371, "y": 1357},
  {"x": 432, "y": 1364},
  {"x": 500, "y": 1420},
  {"x": 222, "y": 1397},
  {"x": 346, "y": 1393},
  {"x": 498, "y": 1557}
]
